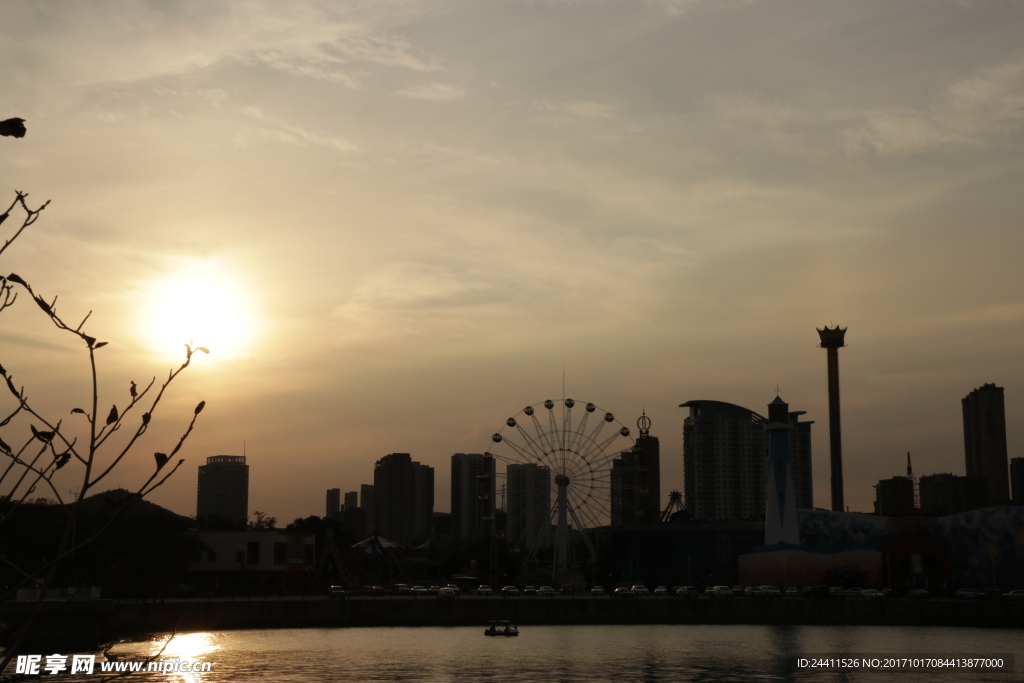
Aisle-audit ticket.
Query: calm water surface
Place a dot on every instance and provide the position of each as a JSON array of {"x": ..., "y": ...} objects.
[{"x": 570, "y": 653}]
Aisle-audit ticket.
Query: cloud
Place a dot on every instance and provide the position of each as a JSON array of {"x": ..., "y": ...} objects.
[
  {"x": 281, "y": 131},
  {"x": 969, "y": 112},
  {"x": 579, "y": 108},
  {"x": 435, "y": 92}
]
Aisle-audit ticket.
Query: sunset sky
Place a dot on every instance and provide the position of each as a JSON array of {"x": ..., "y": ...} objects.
[{"x": 396, "y": 223}]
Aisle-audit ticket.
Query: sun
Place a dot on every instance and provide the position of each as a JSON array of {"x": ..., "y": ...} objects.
[{"x": 201, "y": 304}]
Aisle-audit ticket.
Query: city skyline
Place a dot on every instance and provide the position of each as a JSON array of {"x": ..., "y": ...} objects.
[{"x": 396, "y": 224}]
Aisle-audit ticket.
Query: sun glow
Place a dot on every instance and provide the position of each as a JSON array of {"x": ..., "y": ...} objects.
[{"x": 202, "y": 305}]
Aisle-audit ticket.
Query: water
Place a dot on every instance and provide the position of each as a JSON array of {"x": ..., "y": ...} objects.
[{"x": 568, "y": 654}]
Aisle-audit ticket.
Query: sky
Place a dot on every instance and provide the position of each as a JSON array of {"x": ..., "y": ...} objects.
[{"x": 396, "y": 223}]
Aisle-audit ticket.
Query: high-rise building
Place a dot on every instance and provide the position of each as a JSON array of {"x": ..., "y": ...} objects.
[
  {"x": 351, "y": 500},
  {"x": 636, "y": 479},
  {"x": 944, "y": 494},
  {"x": 832, "y": 340},
  {"x": 528, "y": 505},
  {"x": 894, "y": 497},
  {"x": 224, "y": 488},
  {"x": 368, "y": 505},
  {"x": 403, "y": 492},
  {"x": 333, "y": 503},
  {"x": 473, "y": 491},
  {"x": 1017, "y": 480},
  {"x": 985, "y": 444},
  {"x": 725, "y": 449}
]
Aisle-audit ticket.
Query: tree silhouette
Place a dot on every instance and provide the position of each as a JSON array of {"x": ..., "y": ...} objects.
[{"x": 36, "y": 444}]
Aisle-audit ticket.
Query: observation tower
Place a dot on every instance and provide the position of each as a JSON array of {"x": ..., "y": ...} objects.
[{"x": 833, "y": 339}]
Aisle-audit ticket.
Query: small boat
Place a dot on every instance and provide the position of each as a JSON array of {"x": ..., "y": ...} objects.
[{"x": 501, "y": 628}]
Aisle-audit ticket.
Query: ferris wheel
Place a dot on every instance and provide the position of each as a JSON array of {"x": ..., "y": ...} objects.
[{"x": 576, "y": 446}]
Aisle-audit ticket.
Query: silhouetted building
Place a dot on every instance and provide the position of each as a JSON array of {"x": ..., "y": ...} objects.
[
  {"x": 985, "y": 444},
  {"x": 404, "y": 498},
  {"x": 1017, "y": 480},
  {"x": 780, "y": 523},
  {"x": 351, "y": 500},
  {"x": 333, "y": 503},
  {"x": 473, "y": 483},
  {"x": 833, "y": 339},
  {"x": 224, "y": 488},
  {"x": 944, "y": 494},
  {"x": 725, "y": 448},
  {"x": 529, "y": 503},
  {"x": 894, "y": 497},
  {"x": 636, "y": 479},
  {"x": 354, "y": 521},
  {"x": 366, "y": 502}
]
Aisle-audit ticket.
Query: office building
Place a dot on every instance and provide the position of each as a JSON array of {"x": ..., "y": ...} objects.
[
  {"x": 725, "y": 449},
  {"x": 780, "y": 523},
  {"x": 528, "y": 505},
  {"x": 894, "y": 497},
  {"x": 366, "y": 503},
  {"x": 351, "y": 500},
  {"x": 985, "y": 444},
  {"x": 635, "y": 479},
  {"x": 403, "y": 492},
  {"x": 473, "y": 483},
  {"x": 333, "y": 503},
  {"x": 944, "y": 494},
  {"x": 223, "y": 489}
]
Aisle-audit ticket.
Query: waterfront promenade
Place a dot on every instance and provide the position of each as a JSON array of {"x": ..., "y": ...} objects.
[{"x": 109, "y": 619}]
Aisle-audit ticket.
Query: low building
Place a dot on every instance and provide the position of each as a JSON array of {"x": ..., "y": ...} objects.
[{"x": 252, "y": 561}]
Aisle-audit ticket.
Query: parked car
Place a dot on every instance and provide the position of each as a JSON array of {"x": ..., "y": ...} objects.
[
  {"x": 546, "y": 591},
  {"x": 919, "y": 594},
  {"x": 737, "y": 591},
  {"x": 510, "y": 592},
  {"x": 336, "y": 592},
  {"x": 771, "y": 592},
  {"x": 687, "y": 592},
  {"x": 484, "y": 590},
  {"x": 419, "y": 590},
  {"x": 623, "y": 592},
  {"x": 376, "y": 590},
  {"x": 566, "y": 590},
  {"x": 792, "y": 592},
  {"x": 403, "y": 589},
  {"x": 660, "y": 592},
  {"x": 1014, "y": 595},
  {"x": 597, "y": 590},
  {"x": 530, "y": 590},
  {"x": 753, "y": 592},
  {"x": 454, "y": 587},
  {"x": 639, "y": 590},
  {"x": 707, "y": 590},
  {"x": 447, "y": 593},
  {"x": 872, "y": 594},
  {"x": 968, "y": 594},
  {"x": 721, "y": 592},
  {"x": 853, "y": 593},
  {"x": 434, "y": 589}
]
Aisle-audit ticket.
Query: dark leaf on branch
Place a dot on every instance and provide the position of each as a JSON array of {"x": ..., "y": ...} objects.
[
  {"x": 3, "y": 371},
  {"x": 45, "y": 437},
  {"x": 43, "y": 305},
  {"x": 161, "y": 460},
  {"x": 13, "y": 128},
  {"x": 112, "y": 417},
  {"x": 77, "y": 410},
  {"x": 145, "y": 418},
  {"x": 13, "y": 277},
  {"x": 132, "y": 390},
  {"x": 89, "y": 340},
  {"x": 4, "y": 447},
  {"x": 199, "y": 408},
  {"x": 203, "y": 349},
  {"x": 3, "y": 217},
  {"x": 100, "y": 345},
  {"x": 63, "y": 459}
]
